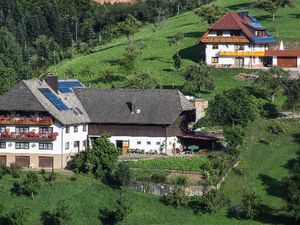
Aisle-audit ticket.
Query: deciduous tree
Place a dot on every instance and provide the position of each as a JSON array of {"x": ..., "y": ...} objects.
[
  {"x": 211, "y": 13},
  {"x": 142, "y": 80}
]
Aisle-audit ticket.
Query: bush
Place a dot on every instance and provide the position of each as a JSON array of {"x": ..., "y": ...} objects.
[
  {"x": 50, "y": 177},
  {"x": 158, "y": 178},
  {"x": 73, "y": 178},
  {"x": 17, "y": 216},
  {"x": 15, "y": 170},
  {"x": 234, "y": 137},
  {"x": 250, "y": 205},
  {"x": 180, "y": 180},
  {"x": 4, "y": 170},
  {"x": 276, "y": 128},
  {"x": 122, "y": 173},
  {"x": 176, "y": 198},
  {"x": 213, "y": 201},
  {"x": 62, "y": 214},
  {"x": 42, "y": 172}
]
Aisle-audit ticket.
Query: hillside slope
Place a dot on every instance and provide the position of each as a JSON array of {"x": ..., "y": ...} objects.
[{"x": 157, "y": 57}]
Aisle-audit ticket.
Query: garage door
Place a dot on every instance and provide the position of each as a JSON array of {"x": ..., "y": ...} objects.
[
  {"x": 45, "y": 162},
  {"x": 3, "y": 159},
  {"x": 287, "y": 62},
  {"x": 23, "y": 161}
]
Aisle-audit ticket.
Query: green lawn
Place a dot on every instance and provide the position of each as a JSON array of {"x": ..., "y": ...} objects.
[
  {"x": 265, "y": 158},
  {"x": 157, "y": 57}
]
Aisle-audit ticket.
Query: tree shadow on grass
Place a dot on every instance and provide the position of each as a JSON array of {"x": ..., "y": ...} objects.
[
  {"x": 272, "y": 186},
  {"x": 295, "y": 15},
  {"x": 107, "y": 48},
  {"x": 193, "y": 34},
  {"x": 152, "y": 58},
  {"x": 47, "y": 218},
  {"x": 195, "y": 53}
]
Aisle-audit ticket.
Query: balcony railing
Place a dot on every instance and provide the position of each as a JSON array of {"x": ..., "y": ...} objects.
[
  {"x": 242, "y": 53},
  {"x": 44, "y": 121},
  {"x": 30, "y": 136}
]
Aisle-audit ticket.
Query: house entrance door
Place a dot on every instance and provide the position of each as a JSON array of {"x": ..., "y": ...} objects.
[{"x": 239, "y": 62}]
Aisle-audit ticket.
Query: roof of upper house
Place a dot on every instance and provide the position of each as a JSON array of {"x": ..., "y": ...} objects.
[
  {"x": 133, "y": 106},
  {"x": 240, "y": 22},
  {"x": 20, "y": 98}
]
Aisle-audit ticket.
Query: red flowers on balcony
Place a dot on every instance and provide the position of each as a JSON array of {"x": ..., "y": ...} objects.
[
  {"x": 29, "y": 136},
  {"x": 47, "y": 121}
]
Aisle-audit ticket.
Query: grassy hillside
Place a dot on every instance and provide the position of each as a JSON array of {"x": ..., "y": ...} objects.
[
  {"x": 265, "y": 158},
  {"x": 157, "y": 57}
]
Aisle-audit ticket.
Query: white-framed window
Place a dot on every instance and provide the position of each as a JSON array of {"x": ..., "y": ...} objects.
[
  {"x": 67, "y": 129},
  {"x": 22, "y": 129},
  {"x": 46, "y": 129},
  {"x": 22, "y": 145},
  {"x": 214, "y": 46},
  {"x": 214, "y": 59},
  {"x": 76, "y": 144},
  {"x": 158, "y": 143},
  {"x": 148, "y": 142},
  {"x": 75, "y": 129},
  {"x": 139, "y": 142},
  {"x": 2, "y": 144},
  {"x": 2, "y": 128},
  {"x": 84, "y": 127},
  {"x": 45, "y": 146},
  {"x": 67, "y": 145}
]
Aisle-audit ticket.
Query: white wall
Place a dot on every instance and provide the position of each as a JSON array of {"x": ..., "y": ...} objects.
[{"x": 298, "y": 61}]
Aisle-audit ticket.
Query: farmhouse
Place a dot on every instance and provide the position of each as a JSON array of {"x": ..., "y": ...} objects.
[
  {"x": 239, "y": 40},
  {"x": 43, "y": 123}
]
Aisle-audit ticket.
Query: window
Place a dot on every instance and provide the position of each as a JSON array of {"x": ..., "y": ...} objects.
[
  {"x": 22, "y": 129},
  {"x": 2, "y": 144},
  {"x": 22, "y": 145},
  {"x": 84, "y": 127},
  {"x": 215, "y": 47},
  {"x": 46, "y": 146},
  {"x": 67, "y": 129},
  {"x": 235, "y": 33},
  {"x": 139, "y": 142},
  {"x": 84, "y": 144},
  {"x": 2, "y": 128},
  {"x": 75, "y": 129},
  {"x": 214, "y": 59},
  {"x": 76, "y": 144},
  {"x": 148, "y": 143},
  {"x": 67, "y": 145},
  {"x": 158, "y": 143},
  {"x": 260, "y": 33},
  {"x": 219, "y": 33},
  {"x": 46, "y": 130},
  {"x": 241, "y": 47}
]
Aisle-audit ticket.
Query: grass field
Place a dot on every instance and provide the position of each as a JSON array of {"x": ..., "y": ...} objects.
[
  {"x": 265, "y": 158},
  {"x": 157, "y": 57}
]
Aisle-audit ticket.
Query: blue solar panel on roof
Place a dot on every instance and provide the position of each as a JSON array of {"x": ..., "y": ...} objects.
[
  {"x": 65, "y": 86},
  {"x": 53, "y": 99}
]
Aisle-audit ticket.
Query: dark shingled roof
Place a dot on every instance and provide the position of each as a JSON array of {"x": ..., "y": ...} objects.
[
  {"x": 20, "y": 98},
  {"x": 111, "y": 105}
]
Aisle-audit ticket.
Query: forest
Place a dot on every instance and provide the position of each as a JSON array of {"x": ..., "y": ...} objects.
[{"x": 35, "y": 34}]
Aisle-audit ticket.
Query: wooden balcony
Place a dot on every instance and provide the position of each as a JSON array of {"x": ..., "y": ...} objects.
[
  {"x": 40, "y": 121},
  {"x": 31, "y": 136},
  {"x": 242, "y": 53}
]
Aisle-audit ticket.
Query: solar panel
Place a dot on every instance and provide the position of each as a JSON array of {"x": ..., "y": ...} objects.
[
  {"x": 65, "y": 86},
  {"x": 53, "y": 99}
]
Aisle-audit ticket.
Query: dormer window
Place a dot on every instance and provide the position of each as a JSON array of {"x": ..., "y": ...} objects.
[
  {"x": 235, "y": 33},
  {"x": 260, "y": 33},
  {"x": 219, "y": 33}
]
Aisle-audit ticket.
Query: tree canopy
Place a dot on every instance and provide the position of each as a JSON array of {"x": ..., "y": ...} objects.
[
  {"x": 142, "y": 80},
  {"x": 211, "y": 13}
]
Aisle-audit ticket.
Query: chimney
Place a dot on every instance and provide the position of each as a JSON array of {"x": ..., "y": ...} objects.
[{"x": 52, "y": 81}]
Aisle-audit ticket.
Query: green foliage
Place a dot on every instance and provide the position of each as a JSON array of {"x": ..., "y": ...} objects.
[
  {"x": 8, "y": 78},
  {"x": 198, "y": 78},
  {"x": 118, "y": 214},
  {"x": 232, "y": 107},
  {"x": 142, "y": 80},
  {"x": 176, "y": 39},
  {"x": 176, "y": 198},
  {"x": 180, "y": 180},
  {"x": 128, "y": 27},
  {"x": 276, "y": 128},
  {"x": 27, "y": 186},
  {"x": 271, "y": 6},
  {"x": 250, "y": 205},
  {"x": 292, "y": 92},
  {"x": 177, "y": 62},
  {"x": 50, "y": 177},
  {"x": 234, "y": 137},
  {"x": 63, "y": 213},
  {"x": 15, "y": 170},
  {"x": 213, "y": 201},
  {"x": 123, "y": 174},
  {"x": 100, "y": 159},
  {"x": 211, "y": 13},
  {"x": 269, "y": 82},
  {"x": 4, "y": 170},
  {"x": 16, "y": 216},
  {"x": 106, "y": 75},
  {"x": 158, "y": 178}
]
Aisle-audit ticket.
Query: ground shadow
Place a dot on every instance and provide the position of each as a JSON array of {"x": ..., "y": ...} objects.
[
  {"x": 295, "y": 15},
  {"x": 152, "y": 58},
  {"x": 264, "y": 142},
  {"x": 193, "y": 34},
  {"x": 178, "y": 87},
  {"x": 114, "y": 78},
  {"x": 195, "y": 53},
  {"x": 168, "y": 70},
  {"x": 112, "y": 62},
  {"x": 241, "y": 6},
  {"x": 47, "y": 218},
  {"x": 107, "y": 48},
  {"x": 272, "y": 186}
]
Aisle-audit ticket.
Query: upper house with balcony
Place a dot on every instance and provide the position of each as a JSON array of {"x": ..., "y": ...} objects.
[{"x": 239, "y": 40}]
